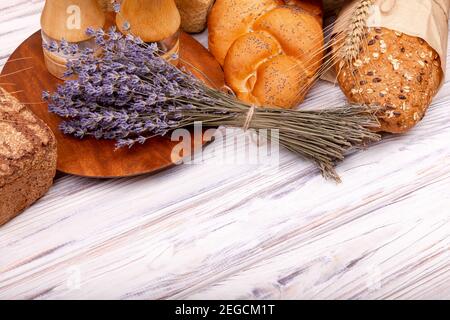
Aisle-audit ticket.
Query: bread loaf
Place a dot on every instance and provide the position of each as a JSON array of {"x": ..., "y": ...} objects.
[
  {"x": 398, "y": 72},
  {"x": 27, "y": 157},
  {"x": 270, "y": 49},
  {"x": 194, "y": 14}
]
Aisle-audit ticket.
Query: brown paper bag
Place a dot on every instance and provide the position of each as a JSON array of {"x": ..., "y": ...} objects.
[
  {"x": 426, "y": 19},
  {"x": 332, "y": 6}
]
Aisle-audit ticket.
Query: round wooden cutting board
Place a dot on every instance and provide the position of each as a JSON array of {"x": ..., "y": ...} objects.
[{"x": 26, "y": 71}]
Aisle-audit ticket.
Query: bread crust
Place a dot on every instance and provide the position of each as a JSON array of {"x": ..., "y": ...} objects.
[
  {"x": 398, "y": 72},
  {"x": 270, "y": 49},
  {"x": 27, "y": 157}
]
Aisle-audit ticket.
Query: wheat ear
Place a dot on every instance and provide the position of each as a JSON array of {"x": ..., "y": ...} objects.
[{"x": 356, "y": 31}]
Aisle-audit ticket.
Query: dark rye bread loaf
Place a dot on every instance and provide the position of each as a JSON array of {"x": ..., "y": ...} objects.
[{"x": 27, "y": 157}]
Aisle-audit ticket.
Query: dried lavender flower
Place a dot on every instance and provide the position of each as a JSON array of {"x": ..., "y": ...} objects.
[
  {"x": 131, "y": 94},
  {"x": 116, "y": 6}
]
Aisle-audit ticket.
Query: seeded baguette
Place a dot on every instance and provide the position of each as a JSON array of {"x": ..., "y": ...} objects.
[
  {"x": 398, "y": 72},
  {"x": 27, "y": 157}
]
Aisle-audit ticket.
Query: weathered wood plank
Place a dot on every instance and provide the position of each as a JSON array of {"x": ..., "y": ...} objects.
[{"x": 222, "y": 231}]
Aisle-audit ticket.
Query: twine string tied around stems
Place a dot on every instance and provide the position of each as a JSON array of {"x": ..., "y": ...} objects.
[{"x": 248, "y": 119}]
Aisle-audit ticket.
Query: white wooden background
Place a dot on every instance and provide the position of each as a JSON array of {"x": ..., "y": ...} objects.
[{"x": 211, "y": 231}]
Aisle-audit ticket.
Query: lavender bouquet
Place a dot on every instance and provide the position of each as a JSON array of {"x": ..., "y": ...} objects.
[{"x": 130, "y": 94}]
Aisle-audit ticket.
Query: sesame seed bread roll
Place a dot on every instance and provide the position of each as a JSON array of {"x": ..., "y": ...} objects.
[
  {"x": 270, "y": 50},
  {"x": 398, "y": 72},
  {"x": 27, "y": 157}
]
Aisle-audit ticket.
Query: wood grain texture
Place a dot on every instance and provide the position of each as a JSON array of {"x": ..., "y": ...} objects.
[
  {"x": 223, "y": 231},
  {"x": 90, "y": 157}
]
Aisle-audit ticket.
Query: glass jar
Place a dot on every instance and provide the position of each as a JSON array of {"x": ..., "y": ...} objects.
[{"x": 68, "y": 20}]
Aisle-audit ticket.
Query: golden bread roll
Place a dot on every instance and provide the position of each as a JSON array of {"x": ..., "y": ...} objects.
[
  {"x": 270, "y": 50},
  {"x": 398, "y": 72}
]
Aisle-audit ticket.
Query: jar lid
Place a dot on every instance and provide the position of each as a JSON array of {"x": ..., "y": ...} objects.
[
  {"x": 150, "y": 20},
  {"x": 69, "y": 19}
]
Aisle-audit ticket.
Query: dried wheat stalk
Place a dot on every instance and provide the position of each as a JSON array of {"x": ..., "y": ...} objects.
[{"x": 356, "y": 32}]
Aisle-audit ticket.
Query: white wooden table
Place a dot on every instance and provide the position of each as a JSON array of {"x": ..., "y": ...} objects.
[{"x": 211, "y": 231}]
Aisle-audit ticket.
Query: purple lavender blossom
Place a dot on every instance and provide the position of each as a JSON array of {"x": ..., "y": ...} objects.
[
  {"x": 64, "y": 47},
  {"x": 130, "y": 94},
  {"x": 116, "y": 6}
]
